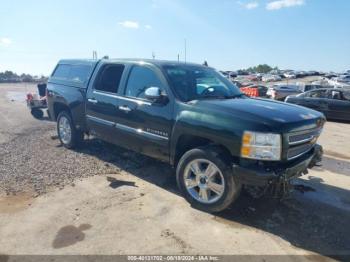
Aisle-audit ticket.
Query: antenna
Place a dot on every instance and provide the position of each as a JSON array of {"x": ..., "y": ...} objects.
[{"x": 94, "y": 54}]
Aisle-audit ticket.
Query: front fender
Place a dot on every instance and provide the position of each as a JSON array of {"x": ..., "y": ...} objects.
[{"x": 203, "y": 125}]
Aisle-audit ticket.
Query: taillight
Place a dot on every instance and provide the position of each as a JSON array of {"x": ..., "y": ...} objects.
[{"x": 29, "y": 97}]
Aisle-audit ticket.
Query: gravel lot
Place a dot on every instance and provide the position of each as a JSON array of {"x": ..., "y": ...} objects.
[{"x": 101, "y": 199}]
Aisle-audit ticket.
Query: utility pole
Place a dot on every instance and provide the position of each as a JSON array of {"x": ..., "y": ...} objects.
[
  {"x": 153, "y": 55},
  {"x": 178, "y": 58}
]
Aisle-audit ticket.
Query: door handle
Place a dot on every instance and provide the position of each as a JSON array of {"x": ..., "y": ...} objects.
[
  {"x": 126, "y": 109},
  {"x": 92, "y": 100}
]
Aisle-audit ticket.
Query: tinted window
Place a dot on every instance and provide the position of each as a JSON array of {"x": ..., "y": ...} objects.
[
  {"x": 196, "y": 82},
  {"x": 140, "y": 79},
  {"x": 318, "y": 94},
  {"x": 335, "y": 95},
  {"x": 62, "y": 71},
  {"x": 110, "y": 78},
  {"x": 79, "y": 73},
  {"x": 308, "y": 88}
]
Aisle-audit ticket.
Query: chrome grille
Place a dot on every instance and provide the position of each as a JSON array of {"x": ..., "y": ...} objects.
[
  {"x": 301, "y": 142},
  {"x": 296, "y": 151},
  {"x": 299, "y": 139}
]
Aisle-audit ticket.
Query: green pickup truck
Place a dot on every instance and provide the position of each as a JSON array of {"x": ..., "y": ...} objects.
[{"x": 190, "y": 116}]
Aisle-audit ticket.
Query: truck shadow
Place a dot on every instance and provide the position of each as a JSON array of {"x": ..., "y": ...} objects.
[
  {"x": 303, "y": 221},
  {"x": 335, "y": 165},
  {"x": 306, "y": 224}
]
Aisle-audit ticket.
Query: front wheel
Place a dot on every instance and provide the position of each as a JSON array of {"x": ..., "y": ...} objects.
[
  {"x": 206, "y": 179},
  {"x": 69, "y": 136}
]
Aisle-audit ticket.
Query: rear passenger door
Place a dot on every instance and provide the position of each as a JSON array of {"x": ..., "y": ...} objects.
[{"x": 102, "y": 102}]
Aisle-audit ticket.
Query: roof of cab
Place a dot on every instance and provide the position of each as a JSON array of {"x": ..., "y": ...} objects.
[
  {"x": 78, "y": 61},
  {"x": 155, "y": 62}
]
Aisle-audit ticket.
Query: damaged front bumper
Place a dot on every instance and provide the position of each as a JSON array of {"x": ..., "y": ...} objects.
[{"x": 277, "y": 177}]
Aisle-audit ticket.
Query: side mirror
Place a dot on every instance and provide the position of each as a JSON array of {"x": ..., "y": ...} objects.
[{"x": 154, "y": 93}]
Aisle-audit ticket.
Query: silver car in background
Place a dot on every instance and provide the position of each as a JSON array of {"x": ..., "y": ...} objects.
[{"x": 281, "y": 91}]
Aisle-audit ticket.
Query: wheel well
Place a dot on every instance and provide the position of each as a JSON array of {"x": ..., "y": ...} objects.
[
  {"x": 188, "y": 142},
  {"x": 58, "y": 108}
]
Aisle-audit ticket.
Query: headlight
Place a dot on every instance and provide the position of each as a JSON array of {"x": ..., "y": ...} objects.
[{"x": 261, "y": 146}]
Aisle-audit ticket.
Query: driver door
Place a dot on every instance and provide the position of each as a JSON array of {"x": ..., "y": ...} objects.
[
  {"x": 317, "y": 100},
  {"x": 339, "y": 106},
  {"x": 146, "y": 125}
]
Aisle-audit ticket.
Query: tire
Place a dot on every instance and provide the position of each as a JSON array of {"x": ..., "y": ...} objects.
[
  {"x": 37, "y": 113},
  {"x": 227, "y": 187},
  {"x": 65, "y": 126}
]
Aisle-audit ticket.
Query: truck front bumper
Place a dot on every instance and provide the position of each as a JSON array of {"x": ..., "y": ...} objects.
[{"x": 255, "y": 175}]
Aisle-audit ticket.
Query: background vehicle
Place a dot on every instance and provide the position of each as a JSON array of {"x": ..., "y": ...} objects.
[
  {"x": 322, "y": 82},
  {"x": 290, "y": 75},
  {"x": 37, "y": 102},
  {"x": 330, "y": 75},
  {"x": 254, "y": 90},
  {"x": 271, "y": 78},
  {"x": 281, "y": 91},
  {"x": 313, "y": 73},
  {"x": 342, "y": 81},
  {"x": 300, "y": 74},
  {"x": 237, "y": 83},
  {"x": 232, "y": 75},
  {"x": 334, "y": 103},
  {"x": 190, "y": 116},
  {"x": 308, "y": 87}
]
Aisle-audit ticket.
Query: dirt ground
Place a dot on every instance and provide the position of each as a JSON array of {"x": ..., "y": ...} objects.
[{"x": 101, "y": 199}]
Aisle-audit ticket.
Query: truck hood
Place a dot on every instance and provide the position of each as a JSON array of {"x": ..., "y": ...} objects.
[{"x": 273, "y": 115}]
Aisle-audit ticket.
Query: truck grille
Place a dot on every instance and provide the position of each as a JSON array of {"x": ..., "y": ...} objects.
[
  {"x": 302, "y": 143},
  {"x": 296, "y": 151},
  {"x": 299, "y": 139}
]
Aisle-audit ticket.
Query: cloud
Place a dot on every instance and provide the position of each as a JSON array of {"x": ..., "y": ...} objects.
[
  {"x": 5, "y": 41},
  {"x": 251, "y": 5},
  {"x": 148, "y": 27},
  {"x": 275, "y": 5},
  {"x": 129, "y": 24},
  {"x": 155, "y": 3}
]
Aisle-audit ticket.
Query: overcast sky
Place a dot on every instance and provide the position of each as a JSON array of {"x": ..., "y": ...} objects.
[{"x": 290, "y": 34}]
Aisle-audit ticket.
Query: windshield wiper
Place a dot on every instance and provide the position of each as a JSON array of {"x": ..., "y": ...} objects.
[
  {"x": 212, "y": 97},
  {"x": 217, "y": 97},
  {"x": 234, "y": 96}
]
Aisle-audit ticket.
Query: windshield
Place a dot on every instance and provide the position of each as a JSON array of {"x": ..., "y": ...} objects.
[{"x": 196, "y": 82}]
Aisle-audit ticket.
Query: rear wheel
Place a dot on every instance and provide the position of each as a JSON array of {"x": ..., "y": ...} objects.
[
  {"x": 69, "y": 136},
  {"x": 206, "y": 179}
]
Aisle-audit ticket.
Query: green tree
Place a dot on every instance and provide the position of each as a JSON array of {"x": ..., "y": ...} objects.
[{"x": 262, "y": 68}]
